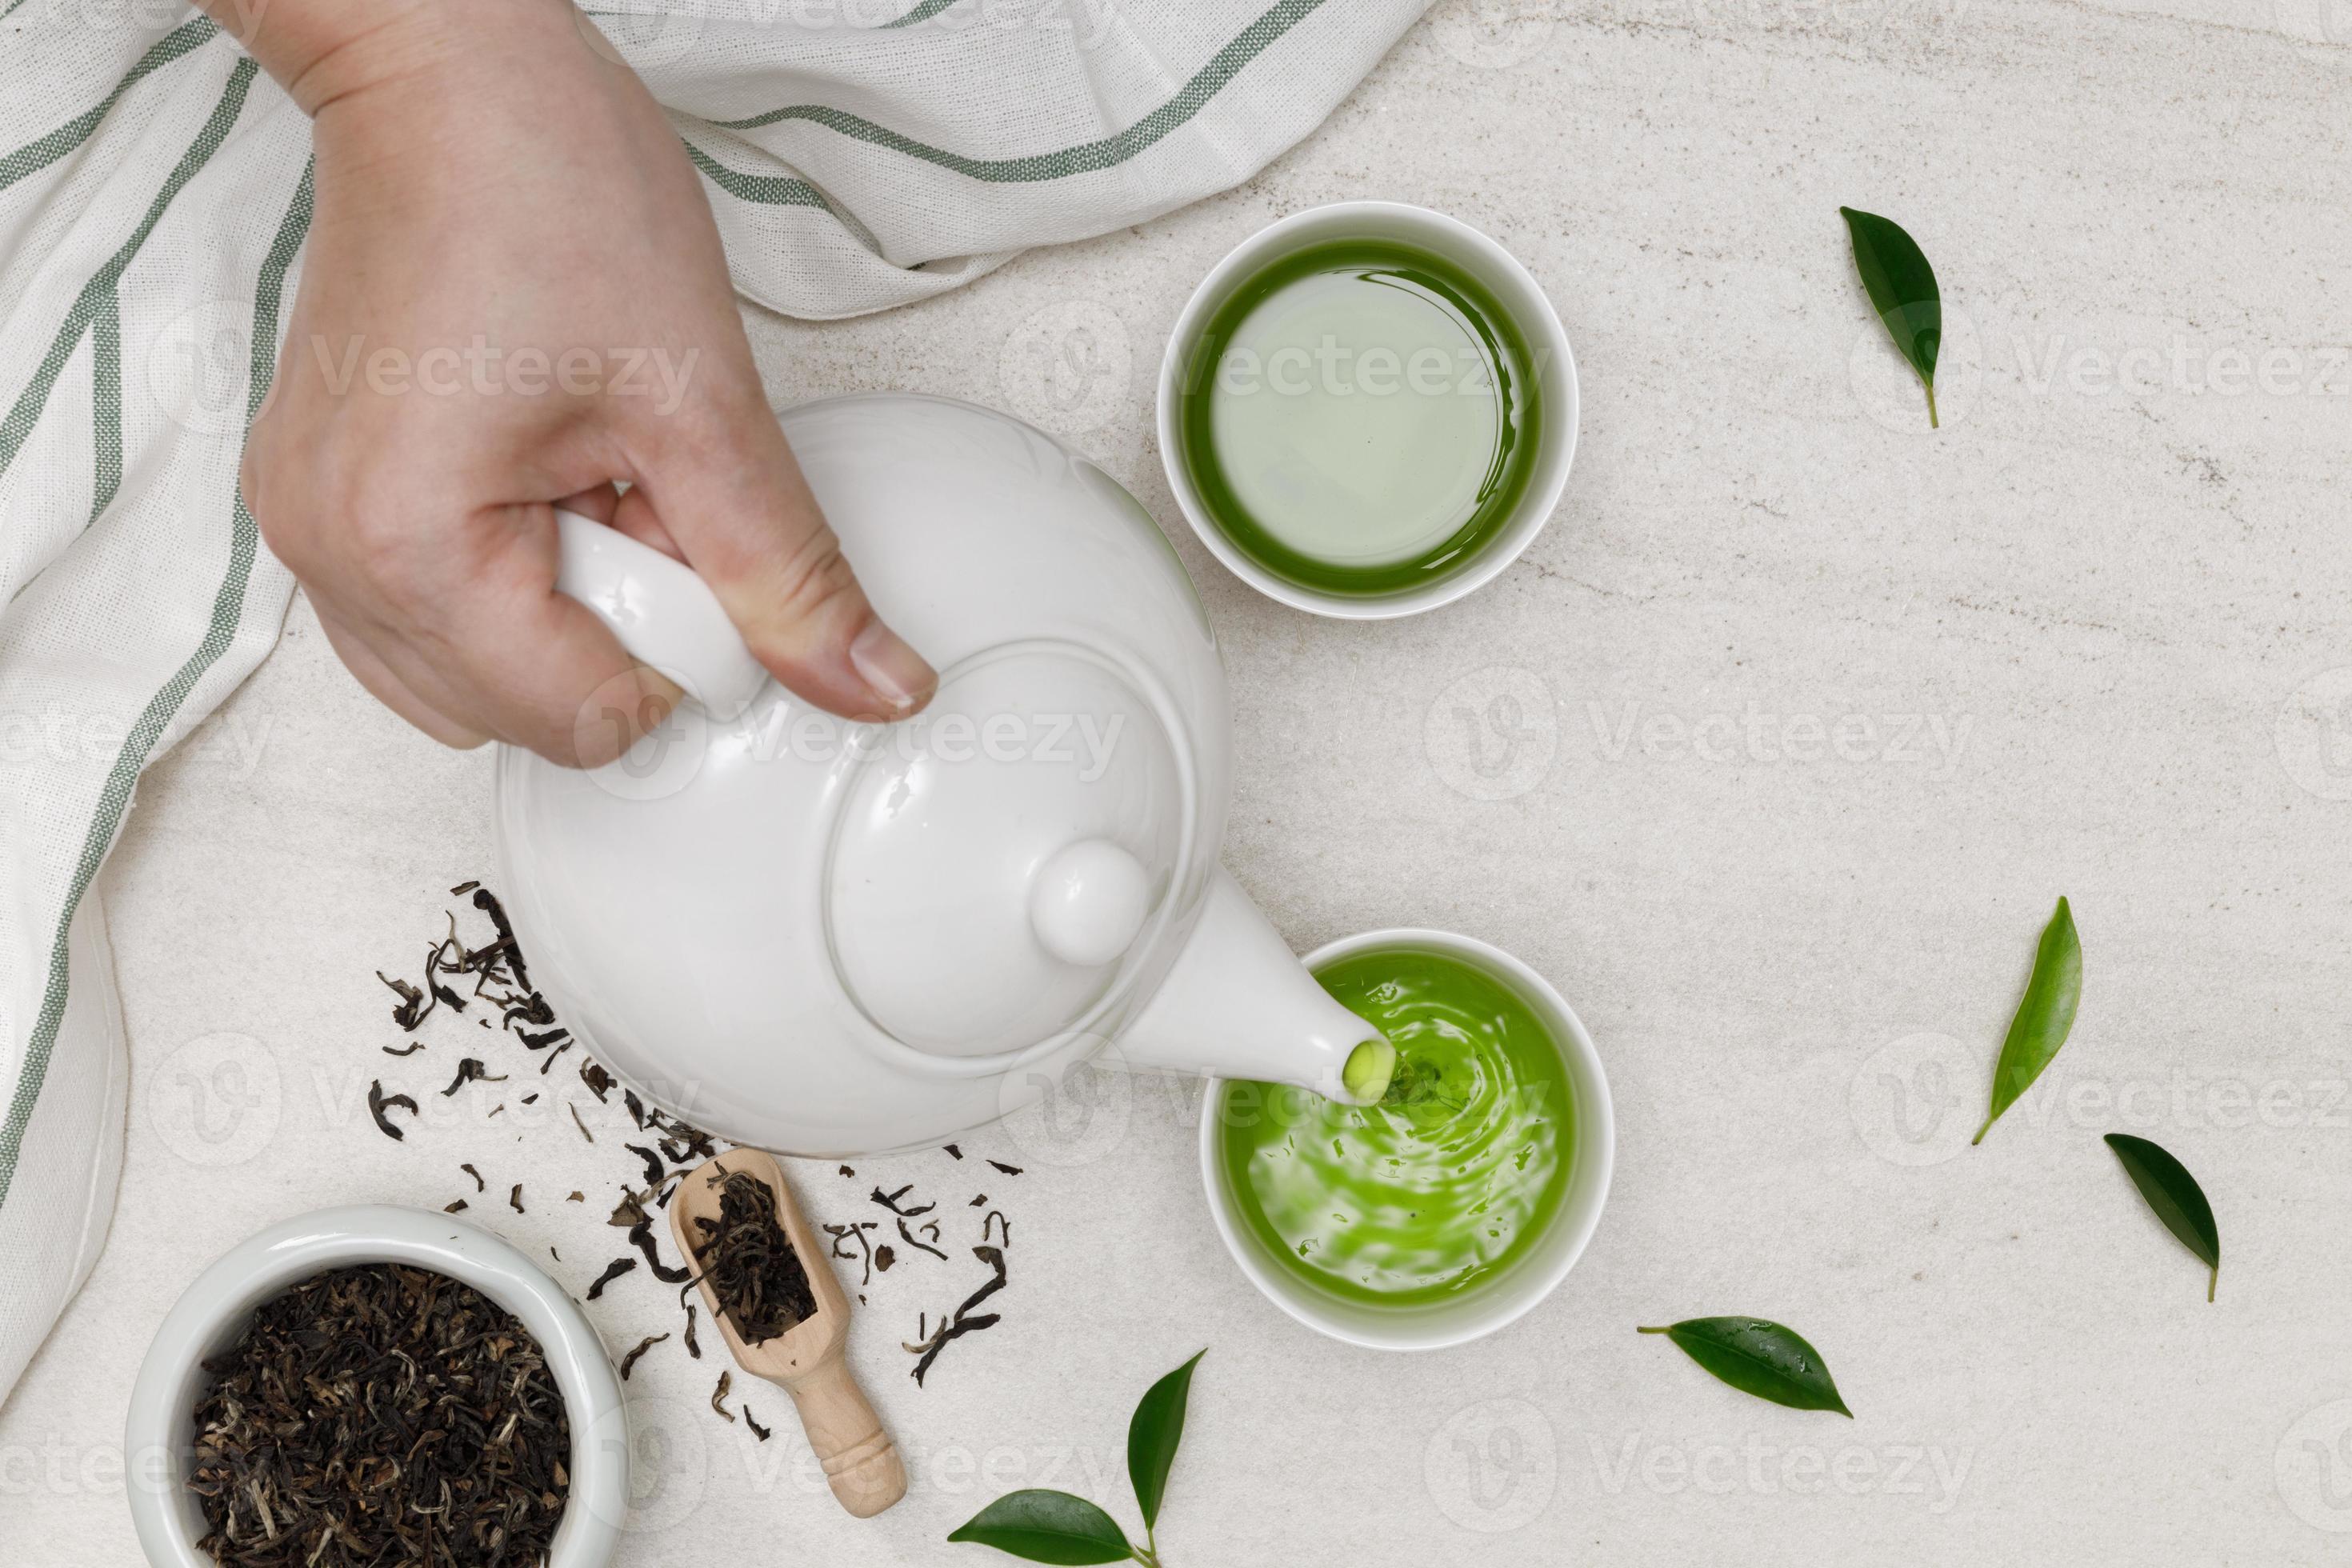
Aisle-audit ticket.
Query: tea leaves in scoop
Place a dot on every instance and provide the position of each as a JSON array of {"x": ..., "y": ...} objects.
[{"x": 747, "y": 1260}]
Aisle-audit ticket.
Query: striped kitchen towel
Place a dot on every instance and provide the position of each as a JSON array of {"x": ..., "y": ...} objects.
[{"x": 155, "y": 192}]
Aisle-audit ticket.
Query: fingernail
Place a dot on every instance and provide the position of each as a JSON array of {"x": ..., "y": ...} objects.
[{"x": 896, "y": 672}]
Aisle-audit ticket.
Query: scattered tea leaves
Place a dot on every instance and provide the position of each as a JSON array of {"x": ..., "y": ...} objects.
[
  {"x": 457, "y": 1206},
  {"x": 471, "y": 1070},
  {"x": 613, "y": 1270},
  {"x": 1008, "y": 1170},
  {"x": 963, "y": 1322},
  {"x": 641, "y": 1236},
  {"x": 409, "y": 1049},
  {"x": 909, "y": 1238},
  {"x": 514, "y": 1198},
  {"x": 718, "y": 1395},
  {"x": 2044, "y": 1014},
  {"x": 1761, "y": 1358},
  {"x": 1902, "y": 290},
  {"x": 761, "y": 1432},
  {"x": 629, "y": 1362},
  {"x": 1048, "y": 1527},
  {"x": 379, "y": 1102},
  {"x": 2174, "y": 1196}
]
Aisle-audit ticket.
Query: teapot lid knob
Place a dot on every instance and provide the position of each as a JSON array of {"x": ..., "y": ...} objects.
[{"x": 1087, "y": 901}]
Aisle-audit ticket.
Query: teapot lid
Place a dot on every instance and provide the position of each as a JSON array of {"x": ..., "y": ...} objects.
[{"x": 1001, "y": 868}]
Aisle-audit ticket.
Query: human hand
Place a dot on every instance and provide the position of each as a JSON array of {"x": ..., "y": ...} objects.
[{"x": 513, "y": 296}]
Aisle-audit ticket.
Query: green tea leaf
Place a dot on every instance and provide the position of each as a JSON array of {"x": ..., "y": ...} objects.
[
  {"x": 2174, "y": 1196},
  {"x": 1049, "y": 1527},
  {"x": 1759, "y": 1357},
  {"x": 1902, "y": 288},
  {"x": 1153, "y": 1436},
  {"x": 2044, "y": 1014}
]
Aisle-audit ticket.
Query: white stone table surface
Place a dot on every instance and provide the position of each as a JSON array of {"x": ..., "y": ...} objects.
[{"x": 1773, "y": 753}]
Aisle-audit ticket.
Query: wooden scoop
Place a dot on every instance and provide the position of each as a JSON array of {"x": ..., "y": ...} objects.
[{"x": 805, "y": 1360}]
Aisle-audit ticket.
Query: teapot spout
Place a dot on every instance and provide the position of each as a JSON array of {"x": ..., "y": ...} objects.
[{"x": 1238, "y": 1003}]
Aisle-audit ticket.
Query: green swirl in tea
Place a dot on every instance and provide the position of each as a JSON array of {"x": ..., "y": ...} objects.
[
  {"x": 1449, "y": 1180},
  {"x": 1360, "y": 417}
]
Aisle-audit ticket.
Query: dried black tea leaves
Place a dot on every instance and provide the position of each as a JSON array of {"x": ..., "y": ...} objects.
[
  {"x": 577, "y": 1122},
  {"x": 613, "y": 1270},
  {"x": 692, "y": 1348},
  {"x": 471, "y": 1070},
  {"x": 963, "y": 1322},
  {"x": 379, "y": 1102},
  {"x": 890, "y": 1200},
  {"x": 1008, "y": 1170},
  {"x": 469, "y": 1170},
  {"x": 761, "y": 1432},
  {"x": 747, "y": 1261},
  {"x": 908, "y": 1237},
  {"x": 409, "y": 1049},
  {"x": 413, "y": 1005},
  {"x": 641, "y": 1236},
  {"x": 514, "y": 1198},
  {"x": 718, "y": 1394},
  {"x": 629, "y": 1362},
  {"x": 381, "y": 1414},
  {"x": 456, "y": 1207}
]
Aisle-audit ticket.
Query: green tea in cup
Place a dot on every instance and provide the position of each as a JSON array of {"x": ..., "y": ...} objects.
[
  {"x": 1447, "y": 1183},
  {"x": 1368, "y": 409}
]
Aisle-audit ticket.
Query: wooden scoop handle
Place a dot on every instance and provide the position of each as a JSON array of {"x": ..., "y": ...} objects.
[{"x": 859, "y": 1458}]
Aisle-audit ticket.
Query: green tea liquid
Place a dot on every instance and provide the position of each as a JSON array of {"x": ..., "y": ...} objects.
[
  {"x": 1360, "y": 417},
  {"x": 1446, "y": 1182}
]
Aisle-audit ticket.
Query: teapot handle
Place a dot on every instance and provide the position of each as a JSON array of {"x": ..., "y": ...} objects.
[{"x": 663, "y": 615}]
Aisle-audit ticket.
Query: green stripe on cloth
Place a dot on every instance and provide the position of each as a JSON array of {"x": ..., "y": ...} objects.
[
  {"x": 228, "y": 608},
  {"x": 1087, "y": 156},
  {"x": 106, "y": 399},
  {"x": 37, "y": 156},
  {"x": 922, "y": 13},
  {"x": 18, "y": 424},
  {"x": 766, "y": 190}
]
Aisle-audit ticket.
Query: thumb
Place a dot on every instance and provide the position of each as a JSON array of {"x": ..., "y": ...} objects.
[{"x": 738, "y": 507}]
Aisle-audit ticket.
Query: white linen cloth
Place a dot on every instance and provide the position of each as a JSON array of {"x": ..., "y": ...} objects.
[{"x": 154, "y": 193}]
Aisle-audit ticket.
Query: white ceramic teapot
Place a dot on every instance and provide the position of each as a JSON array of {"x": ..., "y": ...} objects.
[{"x": 828, "y": 938}]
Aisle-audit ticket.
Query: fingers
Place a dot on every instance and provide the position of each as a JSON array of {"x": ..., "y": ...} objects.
[
  {"x": 727, "y": 490},
  {"x": 388, "y": 688},
  {"x": 541, "y": 670}
]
